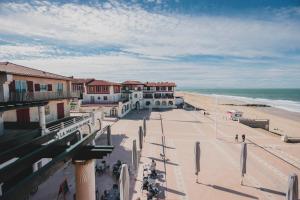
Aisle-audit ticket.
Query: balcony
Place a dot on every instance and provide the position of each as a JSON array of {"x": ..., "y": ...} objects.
[{"x": 40, "y": 96}]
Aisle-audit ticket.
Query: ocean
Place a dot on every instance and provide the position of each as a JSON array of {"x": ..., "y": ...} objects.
[{"x": 287, "y": 99}]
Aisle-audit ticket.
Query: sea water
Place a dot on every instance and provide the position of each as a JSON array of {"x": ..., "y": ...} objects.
[{"x": 287, "y": 99}]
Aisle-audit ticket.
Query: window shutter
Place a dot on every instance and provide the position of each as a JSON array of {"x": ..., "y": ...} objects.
[
  {"x": 30, "y": 86},
  {"x": 49, "y": 87},
  {"x": 37, "y": 87},
  {"x": 12, "y": 86}
]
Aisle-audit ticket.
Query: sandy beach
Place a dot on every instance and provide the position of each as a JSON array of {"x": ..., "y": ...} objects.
[{"x": 281, "y": 121}]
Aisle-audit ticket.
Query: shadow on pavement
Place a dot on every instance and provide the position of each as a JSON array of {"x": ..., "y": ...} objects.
[
  {"x": 229, "y": 190},
  {"x": 161, "y": 145},
  {"x": 160, "y": 160},
  {"x": 267, "y": 190}
]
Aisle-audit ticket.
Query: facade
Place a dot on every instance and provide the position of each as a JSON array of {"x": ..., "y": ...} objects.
[
  {"x": 80, "y": 85},
  {"x": 133, "y": 90},
  {"x": 102, "y": 92},
  {"x": 159, "y": 95},
  {"x": 117, "y": 100},
  {"x": 34, "y": 96}
]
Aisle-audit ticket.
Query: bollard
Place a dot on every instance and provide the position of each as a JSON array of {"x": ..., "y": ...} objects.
[
  {"x": 141, "y": 137},
  {"x": 108, "y": 135},
  {"x": 144, "y": 126}
]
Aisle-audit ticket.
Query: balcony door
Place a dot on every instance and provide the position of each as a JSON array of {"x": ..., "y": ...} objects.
[
  {"x": 23, "y": 117},
  {"x": 60, "y": 111}
]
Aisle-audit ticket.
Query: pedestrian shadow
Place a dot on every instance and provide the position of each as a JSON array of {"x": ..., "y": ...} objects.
[
  {"x": 267, "y": 190},
  {"x": 224, "y": 189},
  {"x": 163, "y": 190},
  {"x": 161, "y": 145},
  {"x": 160, "y": 160}
]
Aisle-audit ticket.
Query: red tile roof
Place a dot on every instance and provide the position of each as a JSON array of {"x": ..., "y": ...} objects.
[
  {"x": 11, "y": 68},
  {"x": 82, "y": 80},
  {"x": 132, "y": 83},
  {"x": 102, "y": 82},
  {"x": 160, "y": 84}
]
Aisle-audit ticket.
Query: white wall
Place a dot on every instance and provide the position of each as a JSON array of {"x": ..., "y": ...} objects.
[{"x": 110, "y": 97}]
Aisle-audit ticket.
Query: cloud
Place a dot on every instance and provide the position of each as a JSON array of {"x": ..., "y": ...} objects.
[
  {"x": 111, "y": 40},
  {"x": 150, "y": 34}
]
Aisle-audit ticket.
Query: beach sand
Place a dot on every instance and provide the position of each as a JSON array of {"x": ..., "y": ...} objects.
[{"x": 281, "y": 121}]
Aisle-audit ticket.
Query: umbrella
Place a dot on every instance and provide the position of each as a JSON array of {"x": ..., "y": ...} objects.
[
  {"x": 144, "y": 126},
  {"x": 124, "y": 183},
  {"x": 134, "y": 156},
  {"x": 243, "y": 161},
  {"x": 292, "y": 193},
  {"x": 197, "y": 159},
  {"x": 141, "y": 137}
]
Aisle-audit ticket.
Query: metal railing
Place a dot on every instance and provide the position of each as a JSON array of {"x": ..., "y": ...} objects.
[
  {"x": 67, "y": 123},
  {"x": 40, "y": 96}
]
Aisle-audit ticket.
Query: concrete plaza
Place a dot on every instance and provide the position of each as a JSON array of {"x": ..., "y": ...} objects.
[{"x": 270, "y": 161}]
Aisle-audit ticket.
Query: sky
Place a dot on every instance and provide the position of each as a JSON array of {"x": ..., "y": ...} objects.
[{"x": 195, "y": 43}]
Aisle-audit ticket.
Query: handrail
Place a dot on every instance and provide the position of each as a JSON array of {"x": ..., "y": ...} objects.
[{"x": 40, "y": 96}]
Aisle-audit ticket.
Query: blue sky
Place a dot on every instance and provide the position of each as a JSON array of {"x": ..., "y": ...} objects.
[{"x": 205, "y": 44}]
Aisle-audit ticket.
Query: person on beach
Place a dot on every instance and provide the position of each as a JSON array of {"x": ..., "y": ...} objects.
[
  {"x": 243, "y": 137},
  {"x": 236, "y": 138}
]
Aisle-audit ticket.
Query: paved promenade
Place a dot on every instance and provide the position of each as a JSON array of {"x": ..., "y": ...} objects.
[{"x": 269, "y": 160}]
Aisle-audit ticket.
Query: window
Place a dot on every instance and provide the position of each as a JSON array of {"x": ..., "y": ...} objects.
[
  {"x": 157, "y": 88},
  {"x": 170, "y": 88},
  {"x": 157, "y": 103},
  {"x": 43, "y": 87},
  {"x": 59, "y": 87},
  {"x": 99, "y": 98},
  {"x": 105, "y": 88},
  {"x": 171, "y": 103},
  {"x": 163, "y": 88},
  {"x": 164, "y": 103},
  {"x": 21, "y": 86},
  {"x": 135, "y": 96},
  {"x": 148, "y": 103},
  {"x": 105, "y": 98}
]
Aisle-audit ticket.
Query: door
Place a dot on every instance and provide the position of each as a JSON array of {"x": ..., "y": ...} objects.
[
  {"x": 92, "y": 99},
  {"x": 60, "y": 111},
  {"x": 23, "y": 117}
]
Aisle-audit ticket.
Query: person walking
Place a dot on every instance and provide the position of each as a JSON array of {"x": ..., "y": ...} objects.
[{"x": 236, "y": 138}]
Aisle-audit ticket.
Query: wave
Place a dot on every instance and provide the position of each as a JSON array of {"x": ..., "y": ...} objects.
[
  {"x": 292, "y": 106},
  {"x": 288, "y": 105}
]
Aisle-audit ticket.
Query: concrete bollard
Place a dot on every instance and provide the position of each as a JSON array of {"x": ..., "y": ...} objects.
[
  {"x": 144, "y": 126},
  {"x": 141, "y": 137},
  {"x": 108, "y": 135},
  {"x": 284, "y": 138}
]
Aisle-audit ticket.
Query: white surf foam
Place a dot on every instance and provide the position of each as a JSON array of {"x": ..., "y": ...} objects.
[{"x": 291, "y": 106}]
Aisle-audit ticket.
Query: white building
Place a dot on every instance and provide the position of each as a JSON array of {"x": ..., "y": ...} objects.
[{"x": 159, "y": 95}]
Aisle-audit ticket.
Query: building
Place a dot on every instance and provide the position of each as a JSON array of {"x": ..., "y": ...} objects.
[
  {"x": 116, "y": 99},
  {"x": 107, "y": 95},
  {"x": 159, "y": 95},
  {"x": 80, "y": 85},
  {"x": 133, "y": 90},
  {"x": 40, "y": 101},
  {"x": 35, "y": 97}
]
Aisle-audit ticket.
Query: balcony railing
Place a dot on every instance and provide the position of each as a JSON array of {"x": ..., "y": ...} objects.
[{"x": 40, "y": 96}]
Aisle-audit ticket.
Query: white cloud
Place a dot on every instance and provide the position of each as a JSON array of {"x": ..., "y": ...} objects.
[
  {"x": 153, "y": 41},
  {"x": 148, "y": 33},
  {"x": 20, "y": 50}
]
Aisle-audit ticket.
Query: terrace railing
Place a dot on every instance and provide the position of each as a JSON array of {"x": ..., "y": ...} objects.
[{"x": 40, "y": 96}]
